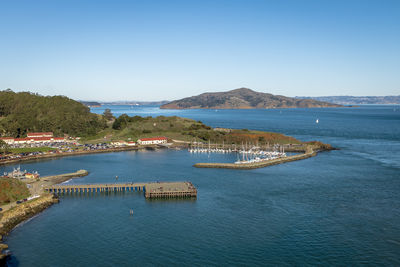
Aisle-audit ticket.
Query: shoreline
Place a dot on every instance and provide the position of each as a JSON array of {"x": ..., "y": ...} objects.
[
  {"x": 11, "y": 218},
  {"x": 16, "y": 215},
  {"x": 66, "y": 154}
]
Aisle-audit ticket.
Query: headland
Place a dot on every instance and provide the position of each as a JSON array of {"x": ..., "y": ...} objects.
[{"x": 244, "y": 98}]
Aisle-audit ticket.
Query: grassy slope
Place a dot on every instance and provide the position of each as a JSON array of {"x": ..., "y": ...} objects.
[
  {"x": 11, "y": 190},
  {"x": 186, "y": 130}
]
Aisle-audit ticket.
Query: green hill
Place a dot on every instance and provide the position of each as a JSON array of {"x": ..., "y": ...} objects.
[
  {"x": 27, "y": 112},
  {"x": 132, "y": 128},
  {"x": 243, "y": 98}
]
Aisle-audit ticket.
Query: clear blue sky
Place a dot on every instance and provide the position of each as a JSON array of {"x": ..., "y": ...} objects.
[{"x": 155, "y": 50}]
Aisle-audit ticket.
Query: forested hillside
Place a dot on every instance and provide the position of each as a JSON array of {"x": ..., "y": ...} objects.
[{"x": 27, "y": 112}]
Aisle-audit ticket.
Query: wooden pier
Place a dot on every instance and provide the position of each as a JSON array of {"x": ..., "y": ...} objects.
[
  {"x": 170, "y": 190},
  {"x": 151, "y": 190}
]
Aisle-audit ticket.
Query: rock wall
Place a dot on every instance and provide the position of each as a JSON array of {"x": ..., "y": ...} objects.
[{"x": 11, "y": 218}]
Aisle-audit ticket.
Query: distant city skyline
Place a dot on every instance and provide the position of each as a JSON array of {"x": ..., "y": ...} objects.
[{"x": 167, "y": 50}]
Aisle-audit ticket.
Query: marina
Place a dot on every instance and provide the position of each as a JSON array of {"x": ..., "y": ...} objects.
[
  {"x": 254, "y": 164},
  {"x": 247, "y": 153}
]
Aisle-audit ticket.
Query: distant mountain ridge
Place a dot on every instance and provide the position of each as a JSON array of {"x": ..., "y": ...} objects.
[
  {"x": 357, "y": 100},
  {"x": 124, "y": 102},
  {"x": 243, "y": 98},
  {"x": 151, "y": 103}
]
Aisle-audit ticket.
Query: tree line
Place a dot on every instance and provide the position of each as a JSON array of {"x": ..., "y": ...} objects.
[{"x": 25, "y": 112}]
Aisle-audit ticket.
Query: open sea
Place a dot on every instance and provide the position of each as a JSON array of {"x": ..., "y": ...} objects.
[{"x": 340, "y": 208}]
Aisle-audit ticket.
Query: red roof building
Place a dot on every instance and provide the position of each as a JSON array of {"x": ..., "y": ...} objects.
[
  {"x": 45, "y": 134},
  {"x": 22, "y": 140},
  {"x": 41, "y": 139}
]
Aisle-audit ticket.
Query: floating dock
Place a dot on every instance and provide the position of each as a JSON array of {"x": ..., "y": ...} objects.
[{"x": 151, "y": 190}]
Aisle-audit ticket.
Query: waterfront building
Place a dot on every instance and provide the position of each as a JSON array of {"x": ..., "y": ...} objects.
[
  {"x": 119, "y": 143},
  {"x": 131, "y": 143},
  {"x": 22, "y": 140},
  {"x": 45, "y": 134},
  {"x": 33, "y": 140},
  {"x": 153, "y": 140}
]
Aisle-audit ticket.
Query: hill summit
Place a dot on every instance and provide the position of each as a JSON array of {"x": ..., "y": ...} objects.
[{"x": 243, "y": 98}]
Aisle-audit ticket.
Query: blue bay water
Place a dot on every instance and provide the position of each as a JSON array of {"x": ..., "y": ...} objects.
[{"x": 339, "y": 208}]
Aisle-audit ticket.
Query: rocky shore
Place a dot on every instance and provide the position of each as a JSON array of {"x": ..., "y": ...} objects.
[{"x": 11, "y": 218}]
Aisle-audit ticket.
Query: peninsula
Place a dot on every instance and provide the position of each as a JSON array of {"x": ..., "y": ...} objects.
[
  {"x": 84, "y": 132},
  {"x": 244, "y": 98}
]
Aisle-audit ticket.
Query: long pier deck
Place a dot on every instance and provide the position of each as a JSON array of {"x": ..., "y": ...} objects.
[{"x": 151, "y": 190}]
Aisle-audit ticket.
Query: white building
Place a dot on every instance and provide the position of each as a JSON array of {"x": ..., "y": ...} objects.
[
  {"x": 22, "y": 140},
  {"x": 33, "y": 140},
  {"x": 119, "y": 143},
  {"x": 152, "y": 141},
  {"x": 131, "y": 143}
]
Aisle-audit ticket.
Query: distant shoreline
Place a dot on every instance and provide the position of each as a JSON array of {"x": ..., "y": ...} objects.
[{"x": 254, "y": 108}]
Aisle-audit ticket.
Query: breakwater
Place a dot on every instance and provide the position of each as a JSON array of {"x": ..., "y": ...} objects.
[
  {"x": 11, "y": 218},
  {"x": 255, "y": 165},
  {"x": 64, "y": 177}
]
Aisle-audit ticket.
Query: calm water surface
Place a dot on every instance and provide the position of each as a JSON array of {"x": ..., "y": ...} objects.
[{"x": 339, "y": 208}]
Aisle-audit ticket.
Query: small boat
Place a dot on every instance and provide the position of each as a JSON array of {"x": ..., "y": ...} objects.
[
  {"x": 317, "y": 121},
  {"x": 19, "y": 174}
]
